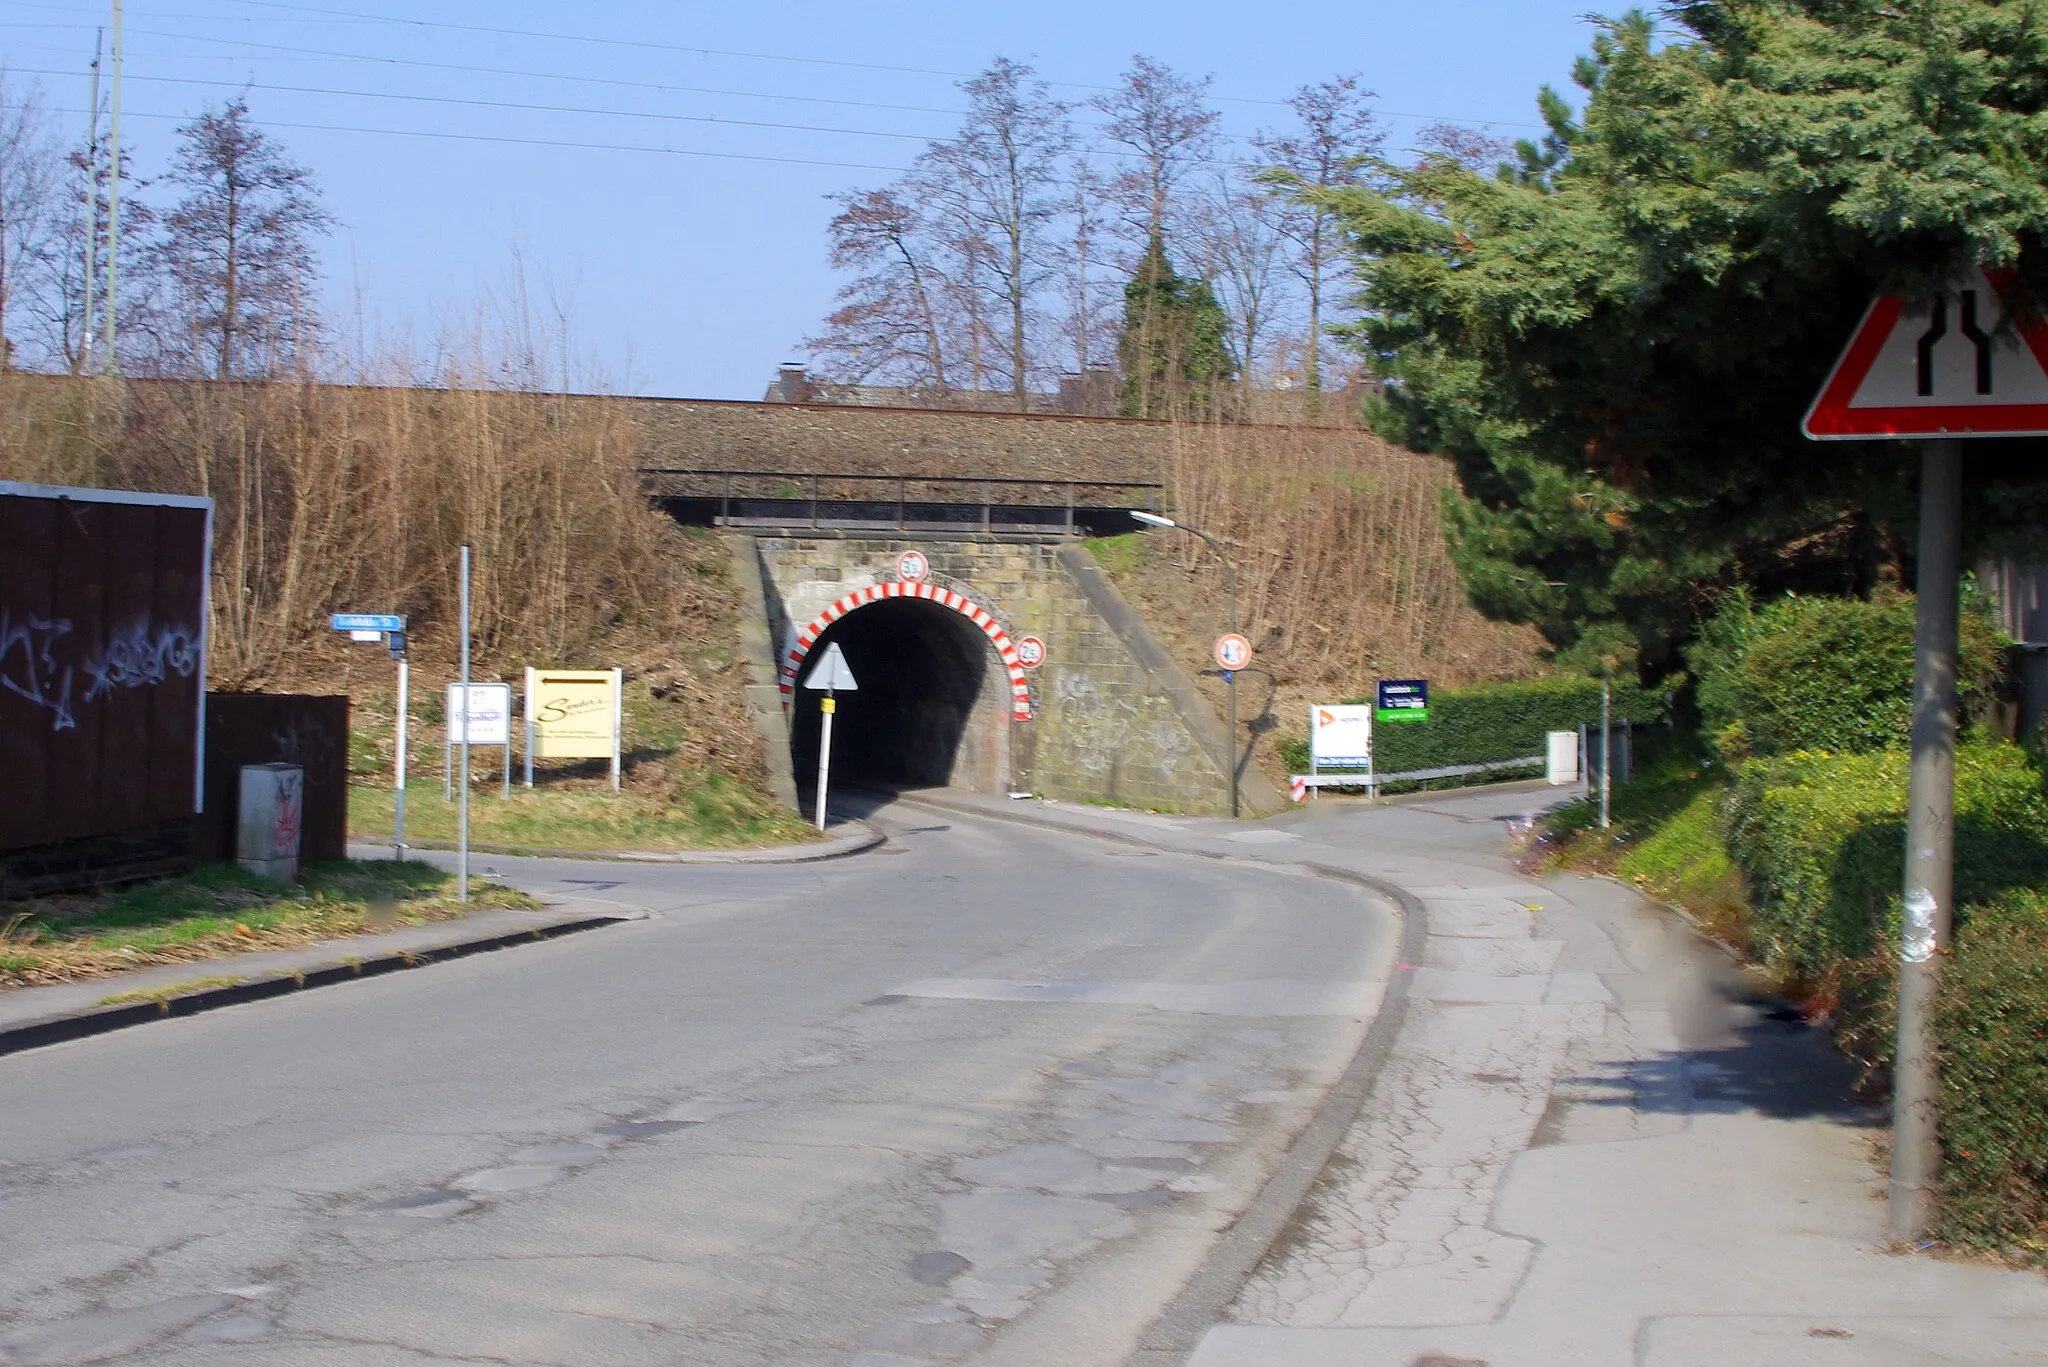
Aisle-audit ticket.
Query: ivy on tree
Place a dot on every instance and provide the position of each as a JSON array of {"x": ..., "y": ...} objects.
[
  {"x": 1172, "y": 350},
  {"x": 1614, "y": 334}
]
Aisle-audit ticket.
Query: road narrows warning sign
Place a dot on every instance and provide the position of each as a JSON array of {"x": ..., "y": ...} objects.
[{"x": 1944, "y": 365}]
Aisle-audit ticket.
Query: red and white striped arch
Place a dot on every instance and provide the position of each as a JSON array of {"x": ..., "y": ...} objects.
[{"x": 1006, "y": 649}]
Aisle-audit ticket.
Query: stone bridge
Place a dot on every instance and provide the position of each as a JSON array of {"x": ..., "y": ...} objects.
[{"x": 941, "y": 552}]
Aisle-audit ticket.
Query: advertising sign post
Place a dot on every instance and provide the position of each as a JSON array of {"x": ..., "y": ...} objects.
[
  {"x": 1339, "y": 737},
  {"x": 1402, "y": 700},
  {"x": 574, "y": 714},
  {"x": 486, "y": 719}
]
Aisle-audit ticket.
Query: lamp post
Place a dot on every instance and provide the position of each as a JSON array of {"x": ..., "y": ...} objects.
[{"x": 1230, "y": 582}]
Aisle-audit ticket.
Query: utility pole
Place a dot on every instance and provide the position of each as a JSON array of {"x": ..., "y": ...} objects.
[
  {"x": 113, "y": 361},
  {"x": 92, "y": 201},
  {"x": 1930, "y": 841}
]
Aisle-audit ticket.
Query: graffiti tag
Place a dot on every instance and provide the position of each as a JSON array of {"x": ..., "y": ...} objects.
[
  {"x": 29, "y": 668},
  {"x": 137, "y": 655}
]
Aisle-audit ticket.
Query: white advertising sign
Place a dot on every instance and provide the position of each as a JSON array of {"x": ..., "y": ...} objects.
[
  {"x": 1340, "y": 735},
  {"x": 490, "y": 714}
]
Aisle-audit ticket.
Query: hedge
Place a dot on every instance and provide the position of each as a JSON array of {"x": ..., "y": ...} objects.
[
  {"x": 1491, "y": 722},
  {"x": 1831, "y": 674},
  {"x": 1820, "y": 840},
  {"x": 1991, "y": 1020}
]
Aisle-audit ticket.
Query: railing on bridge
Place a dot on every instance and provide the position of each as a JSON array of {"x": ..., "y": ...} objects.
[{"x": 799, "y": 500}]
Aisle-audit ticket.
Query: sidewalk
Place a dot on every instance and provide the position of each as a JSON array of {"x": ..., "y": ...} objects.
[
  {"x": 1585, "y": 1145},
  {"x": 31, "y": 1017}
]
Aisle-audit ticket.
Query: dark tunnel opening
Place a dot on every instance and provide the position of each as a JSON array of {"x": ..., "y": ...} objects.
[{"x": 922, "y": 669}]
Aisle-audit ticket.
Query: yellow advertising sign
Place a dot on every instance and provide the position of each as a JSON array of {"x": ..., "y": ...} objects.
[{"x": 573, "y": 713}]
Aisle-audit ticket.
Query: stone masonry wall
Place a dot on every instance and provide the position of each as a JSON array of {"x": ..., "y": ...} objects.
[{"x": 1114, "y": 719}]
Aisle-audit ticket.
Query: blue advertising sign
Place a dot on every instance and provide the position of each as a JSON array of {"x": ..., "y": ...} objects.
[
  {"x": 1403, "y": 700},
  {"x": 366, "y": 621}
]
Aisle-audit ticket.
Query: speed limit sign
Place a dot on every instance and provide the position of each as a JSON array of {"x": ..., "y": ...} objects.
[{"x": 1233, "y": 652}]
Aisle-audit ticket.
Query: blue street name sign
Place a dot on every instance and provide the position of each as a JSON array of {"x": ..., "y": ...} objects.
[
  {"x": 366, "y": 621},
  {"x": 1403, "y": 700}
]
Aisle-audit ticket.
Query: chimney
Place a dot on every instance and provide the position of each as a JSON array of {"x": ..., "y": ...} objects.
[{"x": 791, "y": 384}]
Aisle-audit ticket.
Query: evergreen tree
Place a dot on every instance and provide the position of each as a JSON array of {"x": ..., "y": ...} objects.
[
  {"x": 1614, "y": 337},
  {"x": 1173, "y": 349}
]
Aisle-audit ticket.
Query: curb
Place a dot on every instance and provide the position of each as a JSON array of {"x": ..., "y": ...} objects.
[
  {"x": 1200, "y": 1304},
  {"x": 838, "y": 848},
  {"x": 71, "y": 1025}
]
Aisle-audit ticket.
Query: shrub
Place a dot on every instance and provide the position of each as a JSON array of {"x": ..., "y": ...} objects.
[
  {"x": 1492, "y": 722},
  {"x": 1821, "y": 840},
  {"x": 1824, "y": 673},
  {"x": 1991, "y": 1019}
]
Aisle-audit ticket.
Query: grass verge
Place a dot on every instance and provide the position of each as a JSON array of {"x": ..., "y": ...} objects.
[
  {"x": 1668, "y": 836},
  {"x": 705, "y": 810},
  {"x": 222, "y": 910}
]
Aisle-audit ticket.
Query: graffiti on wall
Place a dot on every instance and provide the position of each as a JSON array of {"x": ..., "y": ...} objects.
[{"x": 44, "y": 659}]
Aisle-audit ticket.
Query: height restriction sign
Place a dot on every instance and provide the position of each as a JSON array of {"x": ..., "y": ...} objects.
[{"x": 1941, "y": 365}]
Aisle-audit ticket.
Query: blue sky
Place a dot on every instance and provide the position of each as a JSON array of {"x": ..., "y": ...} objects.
[{"x": 679, "y": 272}]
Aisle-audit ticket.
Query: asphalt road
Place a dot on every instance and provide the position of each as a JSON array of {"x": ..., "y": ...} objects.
[{"x": 987, "y": 1093}]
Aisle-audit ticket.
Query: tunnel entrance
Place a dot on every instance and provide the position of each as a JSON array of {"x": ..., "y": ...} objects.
[{"x": 933, "y": 707}]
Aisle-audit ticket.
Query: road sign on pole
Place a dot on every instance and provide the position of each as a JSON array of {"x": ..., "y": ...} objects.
[
  {"x": 829, "y": 676},
  {"x": 1938, "y": 368},
  {"x": 1233, "y": 652},
  {"x": 389, "y": 628},
  {"x": 1942, "y": 365}
]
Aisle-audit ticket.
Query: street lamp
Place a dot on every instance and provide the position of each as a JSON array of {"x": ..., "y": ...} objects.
[{"x": 1230, "y": 582}]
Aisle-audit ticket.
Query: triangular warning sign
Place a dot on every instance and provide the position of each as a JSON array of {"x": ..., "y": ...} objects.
[
  {"x": 831, "y": 672},
  {"x": 1939, "y": 366}
]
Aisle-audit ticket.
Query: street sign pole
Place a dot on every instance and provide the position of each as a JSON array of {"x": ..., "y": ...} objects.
[
  {"x": 826, "y": 707},
  {"x": 462, "y": 818},
  {"x": 1928, "y": 913},
  {"x": 828, "y": 676},
  {"x": 1606, "y": 750},
  {"x": 398, "y": 781},
  {"x": 1908, "y": 373}
]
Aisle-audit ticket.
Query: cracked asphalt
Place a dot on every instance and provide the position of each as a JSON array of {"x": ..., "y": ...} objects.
[{"x": 988, "y": 1093}]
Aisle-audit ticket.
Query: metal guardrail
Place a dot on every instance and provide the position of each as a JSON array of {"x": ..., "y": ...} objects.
[
  {"x": 1372, "y": 781},
  {"x": 884, "y": 502}
]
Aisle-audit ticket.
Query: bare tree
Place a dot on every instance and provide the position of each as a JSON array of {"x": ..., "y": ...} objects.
[
  {"x": 1242, "y": 235},
  {"x": 1335, "y": 139},
  {"x": 887, "y": 323},
  {"x": 237, "y": 250},
  {"x": 1003, "y": 173},
  {"x": 1090, "y": 329},
  {"x": 1159, "y": 116},
  {"x": 1470, "y": 146},
  {"x": 31, "y": 170}
]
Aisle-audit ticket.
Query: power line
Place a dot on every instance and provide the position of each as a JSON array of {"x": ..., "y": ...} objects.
[
  {"x": 665, "y": 47},
  {"x": 527, "y": 142},
  {"x": 502, "y": 104}
]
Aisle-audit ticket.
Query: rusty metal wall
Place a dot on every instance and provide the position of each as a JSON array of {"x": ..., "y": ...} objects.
[
  {"x": 102, "y": 662},
  {"x": 277, "y": 728}
]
